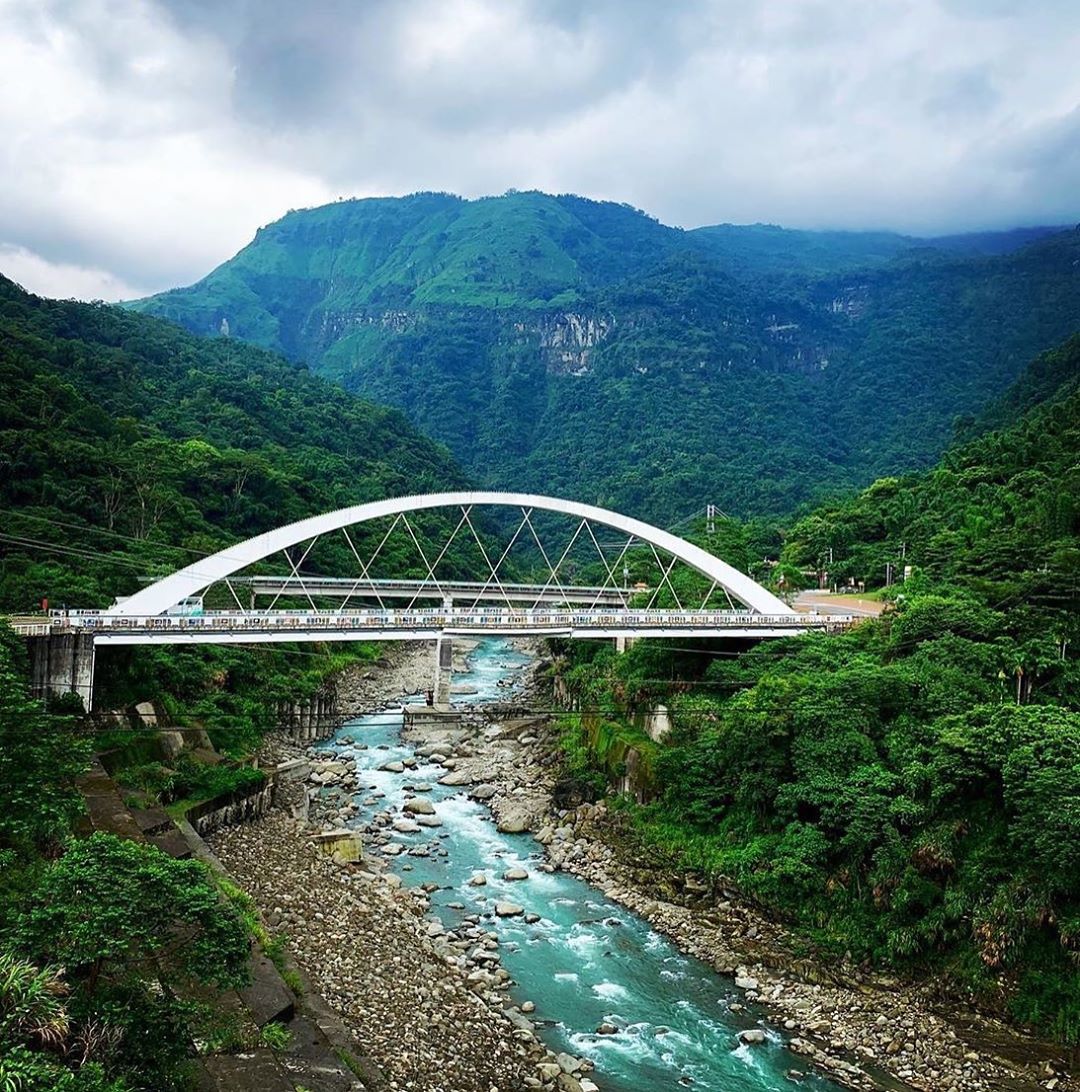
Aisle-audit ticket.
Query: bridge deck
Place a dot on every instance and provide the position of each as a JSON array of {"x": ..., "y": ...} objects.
[{"x": 256, "y": 627}]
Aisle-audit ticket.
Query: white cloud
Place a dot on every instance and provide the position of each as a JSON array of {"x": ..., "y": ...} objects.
[
  {"x": 151, "y": 139},
  {"x": 61, "y": 280},
  {"x": 118, "y": 149}
]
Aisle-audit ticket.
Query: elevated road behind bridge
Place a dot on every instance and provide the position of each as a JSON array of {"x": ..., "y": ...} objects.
[{"x": 461, "y": 591}]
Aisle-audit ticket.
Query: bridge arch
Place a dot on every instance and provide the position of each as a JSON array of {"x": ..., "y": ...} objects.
[{"x": 195, "y": 578}]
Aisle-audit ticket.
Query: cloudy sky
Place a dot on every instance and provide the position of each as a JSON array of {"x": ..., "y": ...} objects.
[{"x": 143, "y": 141}]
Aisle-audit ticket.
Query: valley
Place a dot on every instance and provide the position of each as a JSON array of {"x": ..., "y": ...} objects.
[
  {"x": 539, "y": 546},
  {"x": 873, "y": 821}
]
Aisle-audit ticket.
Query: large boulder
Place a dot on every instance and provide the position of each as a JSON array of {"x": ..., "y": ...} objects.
[
  {"x": 418, "y": 806},
  {"x": 751, "y": 1035},
  {"x": 514, "y": 818}
]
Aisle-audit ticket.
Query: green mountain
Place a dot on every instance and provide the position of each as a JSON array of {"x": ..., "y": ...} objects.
[
  {"x": 769, "y": 249},
  {"x": 583, "y": 348}
]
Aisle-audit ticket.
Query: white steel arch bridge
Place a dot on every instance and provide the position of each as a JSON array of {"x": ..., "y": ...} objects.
[
  {"x": 365, "y": 606},
  {"x": 155, "y": 613}
]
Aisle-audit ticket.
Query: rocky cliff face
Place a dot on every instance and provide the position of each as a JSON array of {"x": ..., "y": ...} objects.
[{"x": 566, "y": 341}]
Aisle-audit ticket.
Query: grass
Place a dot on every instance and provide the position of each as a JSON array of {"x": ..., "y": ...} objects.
[
  {"x": 350, "y": 1063},
  {"x": 275, "y": 1036},
  {"x": 274, "y": 945}
]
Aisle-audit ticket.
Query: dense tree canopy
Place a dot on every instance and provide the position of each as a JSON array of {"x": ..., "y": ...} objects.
[{"x": 908, "y": 792}]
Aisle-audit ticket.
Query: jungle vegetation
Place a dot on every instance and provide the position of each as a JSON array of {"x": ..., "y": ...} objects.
[
  {"x": 907, "y": 793},
  {"x": 128, "y": 448}
]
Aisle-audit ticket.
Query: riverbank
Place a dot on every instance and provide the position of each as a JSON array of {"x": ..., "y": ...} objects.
[
  {"x": 427, "y": 1007},
  {"x": 429, "y": 1003},
  {"x": 864, "y": 1032}
]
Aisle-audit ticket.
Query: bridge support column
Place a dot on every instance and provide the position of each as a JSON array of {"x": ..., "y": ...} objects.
[
  {"x": 444, "y": 669},
  {"x": 623, "y": 643},
  {"x": 63, "y": 663}
]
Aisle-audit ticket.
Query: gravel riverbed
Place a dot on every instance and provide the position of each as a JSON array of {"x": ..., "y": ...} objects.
[{"x": 430, "y": 1008}]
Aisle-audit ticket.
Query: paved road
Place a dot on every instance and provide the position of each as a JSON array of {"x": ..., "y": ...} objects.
[{"x": 827, "y": 603}]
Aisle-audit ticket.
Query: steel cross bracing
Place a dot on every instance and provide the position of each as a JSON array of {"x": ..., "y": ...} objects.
[
  {"x": 298, "y": 582},
  {"x": 296, "y": 543}
]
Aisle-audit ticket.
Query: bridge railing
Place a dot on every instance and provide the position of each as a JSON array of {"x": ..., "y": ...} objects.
[{"x": 436, "y": 618}]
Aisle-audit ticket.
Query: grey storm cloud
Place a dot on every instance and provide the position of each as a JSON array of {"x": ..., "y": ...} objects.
[{"x": 145, "y": 140}]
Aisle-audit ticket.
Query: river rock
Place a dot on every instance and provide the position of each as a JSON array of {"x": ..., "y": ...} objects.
[
  {"x": 478, "y": 879},
  {"x": 456, "y": 777},
  {"x": 508, "y": 910},
  {"x": 419, "y": 807},
  {"x": 751, "y": 1035},
  {"x": 393, "y": 767},
  {"x": 406, "y": 826},
  {"x": 606, "y": 1029},
  {"x": 515, "y": 874},
  {"x": 513, "y": 820},
  {"x": 568, "y": 1063}
]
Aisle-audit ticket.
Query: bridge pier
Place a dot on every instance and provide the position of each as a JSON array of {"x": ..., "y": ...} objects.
[
  {"x": 444, "y": 669},
  {"x": 63, "y": 663},
  {"x": 438, "y": 714}
]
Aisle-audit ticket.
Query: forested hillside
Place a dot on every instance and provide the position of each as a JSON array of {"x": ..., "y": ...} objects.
[
  {"x": 133, "y": 445},
  {"x": 581, "y": 347},
  {"x": 908, "y": 793},
  {"x": 129, "y": 447},
  {"x": 999, "y": 517}
]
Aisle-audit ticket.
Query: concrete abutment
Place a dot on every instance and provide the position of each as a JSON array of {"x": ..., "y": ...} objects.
[{"x": 63, "y": 663}]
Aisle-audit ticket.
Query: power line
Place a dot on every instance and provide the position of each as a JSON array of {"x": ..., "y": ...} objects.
[
  {"x": 71, "y": 551},
  {"x": 16, "y": 514}
]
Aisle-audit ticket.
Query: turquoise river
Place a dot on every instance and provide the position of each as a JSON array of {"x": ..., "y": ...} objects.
[{"x": 588, "y": 959}]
